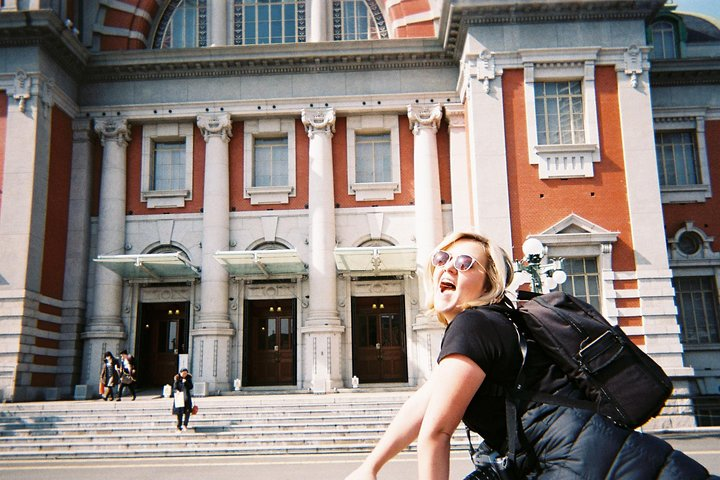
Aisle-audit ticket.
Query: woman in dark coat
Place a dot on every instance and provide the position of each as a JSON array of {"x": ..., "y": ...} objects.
[
  {"x": 479, "y": 358},
  {"x": 109, "y": 375},
  {"x": 183, "y": 384}
]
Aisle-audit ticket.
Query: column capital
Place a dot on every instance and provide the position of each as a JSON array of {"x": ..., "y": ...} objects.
[
  {"x": 424, "y": 116},
  {"x": 215, "y": 125},
  {"x": 81, "y": 128},
  {"x": 113, "y": 129},
  {"x": 455, "y": 115},
  {"x": 319, "y": 120}
]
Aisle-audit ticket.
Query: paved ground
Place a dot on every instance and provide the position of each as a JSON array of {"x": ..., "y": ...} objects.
[{"x": 704, "y": 447}]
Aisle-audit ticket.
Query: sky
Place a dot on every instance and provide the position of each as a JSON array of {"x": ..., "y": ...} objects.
[{"x": 707, "y": 7}]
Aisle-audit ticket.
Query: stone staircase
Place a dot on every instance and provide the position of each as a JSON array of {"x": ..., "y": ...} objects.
[{"x": 226, "y": 425}]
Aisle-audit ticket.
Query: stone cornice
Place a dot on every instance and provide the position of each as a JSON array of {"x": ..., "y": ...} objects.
[
  {"x": 690, "y": 71},
  {"x": 267, "y": 60},
  {"x": 44, "y": 29},
  {"x": 466, "y": 13}
]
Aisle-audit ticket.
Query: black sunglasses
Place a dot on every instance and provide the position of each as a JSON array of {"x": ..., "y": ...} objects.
[{"x": 462, "y": 263}]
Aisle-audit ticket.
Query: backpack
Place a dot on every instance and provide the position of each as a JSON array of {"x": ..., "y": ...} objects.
[{"x": 620, "y": 381}]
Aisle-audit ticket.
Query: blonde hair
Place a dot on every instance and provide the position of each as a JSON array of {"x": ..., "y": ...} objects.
[{"x": 499, "y": 270}]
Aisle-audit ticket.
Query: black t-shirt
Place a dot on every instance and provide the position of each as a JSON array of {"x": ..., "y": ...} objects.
[{"x": 488, "y": 338}]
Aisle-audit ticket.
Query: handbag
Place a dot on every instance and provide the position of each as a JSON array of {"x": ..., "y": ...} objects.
[
  {"x": 126, "y": 379},
  {"x": 179, "y": 399},
  {"x": 194, "y": 410},
  {"x": 101, "y": 388}
]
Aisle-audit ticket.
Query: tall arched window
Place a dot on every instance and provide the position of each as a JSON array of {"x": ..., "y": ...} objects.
[
  {"x": 258, "y": 22},
  {"x": 183, "y": 25},
  {"x": 357, "y": 20},
  {"x": 663, "y": 40}
]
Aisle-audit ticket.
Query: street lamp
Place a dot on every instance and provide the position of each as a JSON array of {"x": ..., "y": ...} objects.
[{"x": 534, "y": 251}]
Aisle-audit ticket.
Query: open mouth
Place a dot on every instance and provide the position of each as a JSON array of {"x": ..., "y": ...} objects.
[{"x": 446, "y": 285}]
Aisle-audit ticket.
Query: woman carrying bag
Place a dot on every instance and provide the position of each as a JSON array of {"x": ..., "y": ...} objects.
[{"x": 182, "y": 399}]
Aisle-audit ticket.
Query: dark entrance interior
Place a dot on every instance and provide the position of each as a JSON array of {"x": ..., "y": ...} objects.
[
  {"x": 270, "y": 343},
  {"x": 379, "y": 343},
  {"x": 163, "y": 334}
]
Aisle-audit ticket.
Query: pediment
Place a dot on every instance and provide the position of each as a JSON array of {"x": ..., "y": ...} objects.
[{"x": 575, "y": 228}]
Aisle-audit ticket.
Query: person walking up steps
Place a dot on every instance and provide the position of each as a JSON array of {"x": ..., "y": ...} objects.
[
  {"x": 182, "y": 401},
  {"x": 128, "y": 374},
  {"x": 109, "y": 375}
]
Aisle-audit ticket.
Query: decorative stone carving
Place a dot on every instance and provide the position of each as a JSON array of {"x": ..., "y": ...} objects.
[
  {"x": 455, "y": 115},
  {"x": 116, "y": 130},
  {"x": 215, "y": 125},
  {"x": 633, "y": 64},
  {"x": 425, "y": 116},
  {"x": 486, "y": 69},
  {"x": 319, "y": 120},
  {"x": 21, "y": 86}
]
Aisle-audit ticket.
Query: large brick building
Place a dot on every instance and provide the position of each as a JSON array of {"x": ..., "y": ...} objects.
[{"x": 252, "y": 187}]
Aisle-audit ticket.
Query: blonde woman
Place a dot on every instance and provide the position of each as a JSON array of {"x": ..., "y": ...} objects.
[{"x": 479, "y": 359}]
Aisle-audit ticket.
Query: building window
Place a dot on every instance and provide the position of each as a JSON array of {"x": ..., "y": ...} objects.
[
  {"x": 696, "y": 300},
  {"x": 182, "y": 25},
  {"x": 559, "y": 113},
  {"x": 562, "y": 120},
  {"x": 167, "y": 166},
  {"x": 372, "y": 158},
  {"x": 583, "y": 280},
  {"x": 373, "y": 151},
  {"x": 663, "y": 40},
  {"x": 270, "y": 162},
  {"x": 707, "y": 410},
  {"x": 677, "y": 161},
  {"x": 353, "y": 20},
  {"x": 168, "y": 170},
  {"x": 259, "y": 22}
]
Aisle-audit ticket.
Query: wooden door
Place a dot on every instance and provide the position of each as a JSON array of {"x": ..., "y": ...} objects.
[
  {"x": 162, "y": 337},
  {"x": 271, "y": 342},
  {"x": 379, "y": 341}
]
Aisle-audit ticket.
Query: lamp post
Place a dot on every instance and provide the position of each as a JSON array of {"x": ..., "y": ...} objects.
[{"x": 534, "y": 251}]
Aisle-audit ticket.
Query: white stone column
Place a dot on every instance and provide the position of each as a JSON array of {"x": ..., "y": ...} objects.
[
  {"x": 218, "y": 10},
  {"x": 213, "y": 330},
  {"x": 322, "y": 330},
  {"x": 77, "y": 253},
  {"x": 652, "y": 270},
  {"x": 462, "y": 205},
  {"x": 486, "y": 144},
  {"x": 424, "y": 122},
  {"x": 105, "y": 329},
  {"x": 318, "y": 25}
]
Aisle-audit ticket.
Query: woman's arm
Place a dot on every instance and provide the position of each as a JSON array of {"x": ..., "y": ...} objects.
[
  {"x": 402, "y": 431},
  {"x": 456, "y": 381}
]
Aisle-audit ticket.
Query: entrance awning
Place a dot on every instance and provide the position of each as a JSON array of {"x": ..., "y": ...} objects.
[
  {"x": 267, "y": 263},
  {"x": 376, "y": 260},
  {"x": 152, "y": 266}
]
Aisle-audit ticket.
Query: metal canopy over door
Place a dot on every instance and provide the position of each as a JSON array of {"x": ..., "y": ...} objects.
[
  {"x": 379, "y": 343},
  {"x": 163, "y": 335},
  {"x": 271, "y": 342}
]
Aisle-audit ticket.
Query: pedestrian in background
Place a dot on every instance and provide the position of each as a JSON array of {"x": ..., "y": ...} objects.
[
  {"x": 128, "y": 374},
  {"x": 182, "y": 398},
  {"x": 109, "y": 376}
]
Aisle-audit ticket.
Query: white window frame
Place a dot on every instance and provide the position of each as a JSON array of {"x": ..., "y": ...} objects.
[
  {"x": 374, "y": 124},
  {"x": 550, "y": 65},
  {"x": 165, "y": 132},
  {"x": 269, "y": 128},
  {"x": 693, "y": 121}
]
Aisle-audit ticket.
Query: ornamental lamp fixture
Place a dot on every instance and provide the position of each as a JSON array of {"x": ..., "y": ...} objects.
[{"x": 548, "y": 274}]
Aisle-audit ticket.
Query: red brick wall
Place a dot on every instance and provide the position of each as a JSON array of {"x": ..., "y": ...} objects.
[
  {"x": 537, "y": 204},
  {"x": 57, "y": 207}
]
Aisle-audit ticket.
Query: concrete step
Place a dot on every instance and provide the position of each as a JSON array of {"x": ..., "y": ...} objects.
[{"x": 226, "y": 425}]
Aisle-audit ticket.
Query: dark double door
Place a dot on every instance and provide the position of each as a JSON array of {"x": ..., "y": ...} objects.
[
  {"x": 379, "y": 340},
  {"x": 163, "y": 336},
  {"x": 270, "y": 343}
]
